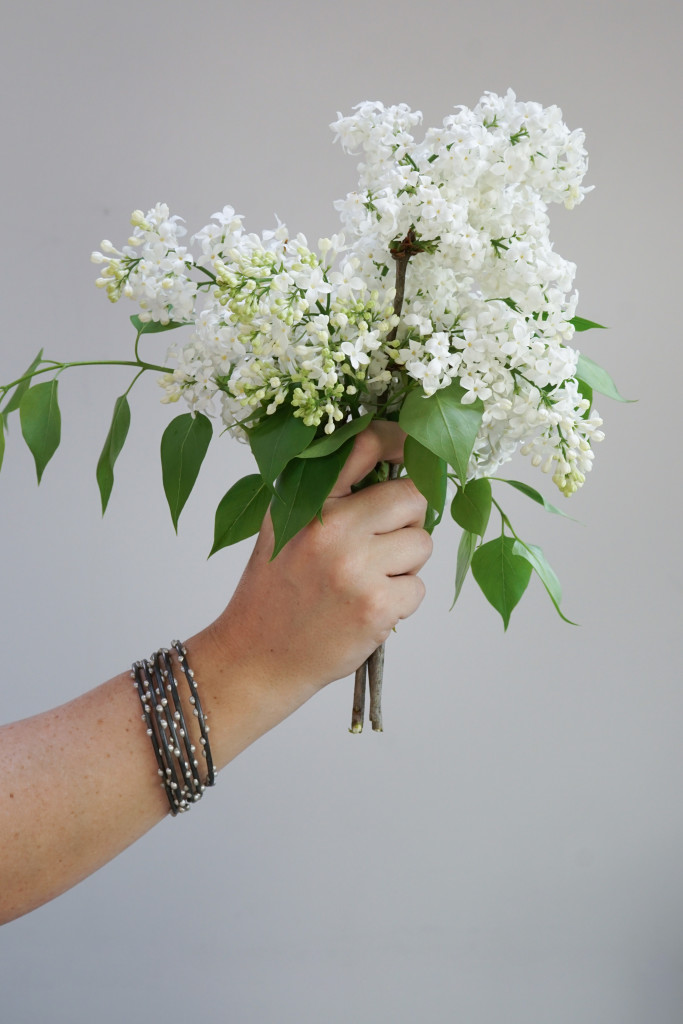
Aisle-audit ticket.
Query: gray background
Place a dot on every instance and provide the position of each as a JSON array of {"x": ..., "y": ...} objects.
[{"x": 510, "y": 849}]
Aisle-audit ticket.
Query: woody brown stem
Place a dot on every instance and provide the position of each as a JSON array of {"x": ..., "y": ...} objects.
[
  {"x": 401, "y": 255},
  {"x": 373, "y": 668},
  {"x": 375, "y": 678},
  {"x": 358, "y": 713}
]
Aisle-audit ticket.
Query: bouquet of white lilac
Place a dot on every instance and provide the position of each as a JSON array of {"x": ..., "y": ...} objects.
[{"x": 440, "y": 304}]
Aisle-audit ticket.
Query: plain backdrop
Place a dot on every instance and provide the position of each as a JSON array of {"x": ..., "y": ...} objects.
[{"x": 509, "y": 851}]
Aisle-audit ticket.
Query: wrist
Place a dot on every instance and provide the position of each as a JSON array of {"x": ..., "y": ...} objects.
[{"x": 242, "y": 691}]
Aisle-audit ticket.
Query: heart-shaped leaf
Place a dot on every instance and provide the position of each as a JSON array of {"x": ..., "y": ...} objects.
[
  {"x": 535, "y": 495},
  {"x": 41, "y": 423},
  {"x": 183, "y": 447},
  {"x": 443, "y": 424},
  {"x": 539, "y": 563},
  {"x": 116, "y": 438},
  {"x": 466, "y": 549},
  {"x": 17, "y": 395},
  {"x": 471, "y": 506},
  {"x": 301, "y": 490},
  {"x": 581, "y": 324},
  {"x": 330, "y": 443},
  {"x": 502, "y": 575},
  {"x": 240, "y": 512},
  {"x": 153, "y": 326},
  {"x": 586, "y": 392},
  {"x": 598, "y": 379},
  {"x": 428, "y": 472},
  {"x": 277, "y": 439}
]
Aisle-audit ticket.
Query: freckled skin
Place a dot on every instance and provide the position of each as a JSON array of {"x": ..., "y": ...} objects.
[{"x": 293, "y": 625}]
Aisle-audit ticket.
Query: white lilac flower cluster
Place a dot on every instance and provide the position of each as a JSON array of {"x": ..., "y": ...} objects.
[
  {"x": 487, "y": 302},
  {"x": 152, "y": 268}
]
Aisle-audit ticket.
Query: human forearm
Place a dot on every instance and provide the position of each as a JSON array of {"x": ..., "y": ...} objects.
[
  {"x": 82, "y": 781},
  {"x": 82, "y": 777}
]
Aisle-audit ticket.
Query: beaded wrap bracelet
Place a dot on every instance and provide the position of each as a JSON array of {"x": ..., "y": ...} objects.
[{"x": 164, "y": 718}]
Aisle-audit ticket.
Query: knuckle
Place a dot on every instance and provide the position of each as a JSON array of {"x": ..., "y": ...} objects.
[
  {"x": 416, "y": 596},
  {"x": 344, "y": 578},
  {"x": 344, "y": 572},
  {"x": 427, "y": 544},
  {"x": 371, "y": 609},
  {"x": 412, "y": 495}
]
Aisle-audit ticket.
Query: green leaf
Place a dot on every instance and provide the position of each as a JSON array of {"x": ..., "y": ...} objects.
[
  {"x": 240, "y": 512},
  {"x": 471, "y": 506},
  {"x": 277, "y": 439},
  {"x": 428, "y": 472},
  {"x": 598, "y": 379},
  {"x": 41, "y": 422},
  {"x": 153, "y": 326},
  {"x": 580, "y": 324},
  {"x": 432, "y": 519},
  {"x": 330, "y": 443},
  {"x": 544, "y": 570},
  {"x": 118, "y": 431},
  {"x": 183, "y": 447},
  {"x": 301, "y": 490},
  {"x": 534, "y": 495},
  {"x": 443, "y": 424},
  {"x": 466, "y": 549},
  {"x": 15, "y": 400},
  {"x": 586, "y": 391},
  {"x": 502, "y": 575}
]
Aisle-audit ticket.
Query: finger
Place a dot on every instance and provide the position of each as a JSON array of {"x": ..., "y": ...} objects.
[
  {"x": 380, "y": 442},
  {"x": 385, "y": 507},
  {"x": 407, "y": 593},
  {"x": 403, "y": 552}
]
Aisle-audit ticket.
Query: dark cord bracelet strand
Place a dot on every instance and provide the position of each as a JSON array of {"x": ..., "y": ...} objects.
[
  {"x": 197, "y": 711},
  {"x": 146, "y": 698},
  {"x": 174, "y": 787},
  {"x": 191, "y": 765}
]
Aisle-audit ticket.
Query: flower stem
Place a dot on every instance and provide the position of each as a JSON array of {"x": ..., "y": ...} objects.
[
  {"x": 358, "y": 713},
  {"x": 373, "y": 668},
  {"x": 59, "y": 367}
]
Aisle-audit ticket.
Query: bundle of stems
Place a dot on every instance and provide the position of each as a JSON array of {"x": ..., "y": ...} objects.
[{"x": 370, "y": 674}]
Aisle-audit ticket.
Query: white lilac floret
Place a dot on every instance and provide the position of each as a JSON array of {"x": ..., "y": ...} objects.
[{"x": 487, "y": 303}]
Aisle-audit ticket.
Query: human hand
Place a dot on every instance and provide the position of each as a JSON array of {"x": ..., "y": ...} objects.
[
  {"x": 336, "y": 590},
  {"x": 311, "y": 615}
]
